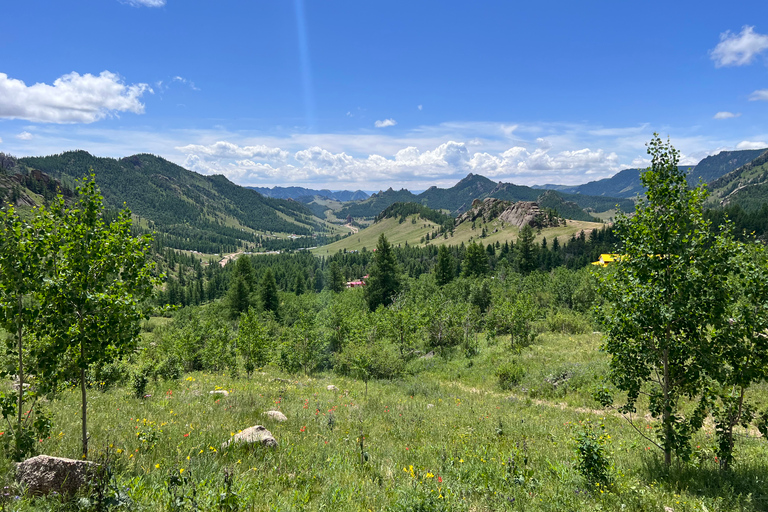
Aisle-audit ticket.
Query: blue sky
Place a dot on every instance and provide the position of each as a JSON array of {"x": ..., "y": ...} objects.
[{"x": 353, "y": 94}]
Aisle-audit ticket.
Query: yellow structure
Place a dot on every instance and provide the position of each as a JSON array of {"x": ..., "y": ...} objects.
[{"x": 605, "y": 259}]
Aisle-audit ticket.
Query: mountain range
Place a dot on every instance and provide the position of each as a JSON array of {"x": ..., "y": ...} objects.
[
  {"x": 458, "y": 199},
  {"x": 626, "y": 183},
  {"x": 300, "y": 193}
]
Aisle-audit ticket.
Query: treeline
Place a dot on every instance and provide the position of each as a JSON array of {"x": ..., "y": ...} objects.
[
  {"x": 189, "y": 283},
  {"x": 403, "y": 210}
]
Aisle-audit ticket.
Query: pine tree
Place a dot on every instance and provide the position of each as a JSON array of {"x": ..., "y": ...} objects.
[
  {"x": 268, "y": 293},
  {"x": 384, "y": 281},
  {"x": 445, "y": 269},
  {"x": 475, "y": 261}
]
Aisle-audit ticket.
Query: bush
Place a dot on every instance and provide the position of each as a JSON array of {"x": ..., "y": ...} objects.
[
  {"x": 591, "y": 458},
  {"x": 510, "y": 374},
  {"x": 566, "y": 321},
  {"x": 105, "y": 375},
  {"x": 170, "y": 368}
]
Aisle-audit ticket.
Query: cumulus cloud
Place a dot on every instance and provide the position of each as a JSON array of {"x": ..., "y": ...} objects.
[
  {"x": 73, "y": 98},
  {"x": 24, "y": 136},
  {"x": 760, "y": 95},
  {"x": 146, "y": 3},
  {"x": 748, "y": 144},
  {"x": 739, "y": 49},
  {"x": 450, "y": 160},
  {"x": 224, "y": 149},
  {"x": 725, "y": 115},
  {"x": 385, "y": 123}
]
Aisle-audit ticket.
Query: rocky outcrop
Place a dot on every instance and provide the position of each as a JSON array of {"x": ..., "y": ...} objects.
[
  {"x": 44, "y": 474},
  {"x": 524, "y": 213},
  {"x": 517, "y": 214},
  {"x": 252, "y": 435}
]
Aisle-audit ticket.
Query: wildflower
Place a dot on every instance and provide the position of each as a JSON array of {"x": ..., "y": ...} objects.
[
  {"x": 181, "y": 470},
  {"x": 186, "y": 435},
  {"x": 157, "y": 466},
  {"x": 439, "y": 479}
]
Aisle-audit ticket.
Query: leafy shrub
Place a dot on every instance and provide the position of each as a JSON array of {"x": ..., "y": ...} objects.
[
  {"x": 591, "y": 457},
  {"x": 510, "y": 374},
  {"x": 567, "y": 321},
  {"x": 170, "y": 368},
  {"x": 107, "y": 374}
]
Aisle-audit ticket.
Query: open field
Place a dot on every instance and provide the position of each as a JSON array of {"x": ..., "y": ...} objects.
[
  {"x": 399, "y": 233},
  {"x": 447, "y": 438}
]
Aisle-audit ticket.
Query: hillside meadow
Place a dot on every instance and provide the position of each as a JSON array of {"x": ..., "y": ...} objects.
[
  {"x": 446, "y": 436},
  {"x": 414, "y": 230}
]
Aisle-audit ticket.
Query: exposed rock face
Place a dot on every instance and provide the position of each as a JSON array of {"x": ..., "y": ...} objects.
[
  {"x": 276, "y": 415},
  {"x": 252, "y": 435},
  {"x": 524, "y": 213},
  {"x": 44, "y": 474},
  {"x": 518, "y": 214}
]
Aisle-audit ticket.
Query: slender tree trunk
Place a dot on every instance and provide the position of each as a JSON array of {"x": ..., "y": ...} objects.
[
  {"x": 21, "y": 362},
  {"x": 83, "y": 396},
  {"x": 666, "y": 414}
]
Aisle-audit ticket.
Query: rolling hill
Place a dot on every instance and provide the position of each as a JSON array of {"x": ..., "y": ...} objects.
[
  {"x": 300, "y": 193},
  {"x": 188, "y": 210},
  {"x": 626, "y": 183},
  {"x": 746, "y": 186}
]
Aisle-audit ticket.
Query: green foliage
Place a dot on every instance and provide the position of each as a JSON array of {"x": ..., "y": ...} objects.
[
  {"x": 445, "y": 268},
  {"x": 677, "y": 313},
  {"x": 21, "y": 439},
  {"x": 335, "y": 278},
  {"x": 302, "y": 349},
  {"x": 254, "y": 341},
  {"x": 384, "y": 281},
  {"x": 268, "y": 294},
  {"x": 475, "y": 262},
  {"x": 591, "y": 458},
  {"x": 509, "y": 374}
]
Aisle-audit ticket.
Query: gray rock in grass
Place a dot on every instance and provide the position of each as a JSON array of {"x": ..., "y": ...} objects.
[
  {"x": 252, "y": 435},
  {"x": 276, "y": 415},
  {"x": 44, "y": 474}
]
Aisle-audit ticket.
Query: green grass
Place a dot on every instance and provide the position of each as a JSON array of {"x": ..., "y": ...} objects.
[
  {"x": 399, "y": 233},
  {"x": 493, "y": 449}
]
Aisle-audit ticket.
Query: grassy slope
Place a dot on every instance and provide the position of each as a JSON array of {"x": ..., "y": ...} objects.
[
  {"x": 492, "y": 449},
  {"x": 400, "y": 233}
]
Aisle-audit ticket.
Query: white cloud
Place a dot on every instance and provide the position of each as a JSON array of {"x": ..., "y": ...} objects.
[
  {"x": 760, "y": 95},
  {"x": 146, "y": 3},
  {"x": 420, "y": 107},
  {"x": 738, "y": 50},
  {"x": 725, "y": 115},
  {"x": 1, "y": 140},
  {"x": 224, "y": 149},
  {"x": 24, "y": 136},
  {"x": 385, "y": 123},
  {"x": 184, "y": 81},
  {"x": 748, "y": 144},
  {"x": 73, "y": 98}
]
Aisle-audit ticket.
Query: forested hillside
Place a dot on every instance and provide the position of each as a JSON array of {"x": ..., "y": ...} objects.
[{"x": 188, "y": 210}]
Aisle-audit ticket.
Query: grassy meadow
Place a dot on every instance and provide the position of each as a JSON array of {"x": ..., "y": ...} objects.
[
  {"x": 446, "y": 437},
  {"x": 398, "y": 233}
]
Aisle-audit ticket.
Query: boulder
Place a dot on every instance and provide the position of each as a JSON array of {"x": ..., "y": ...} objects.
[
  {"x": 331, "y": 387},
  {"x": 276, "y": 415},
  {"x": 222, "y": 392},
  {"x": 429, "y": 406},
  {"x": 44, "y": 474},
  {"x": 428, "y": 355},
  {"x": 252, "y": 435}
]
